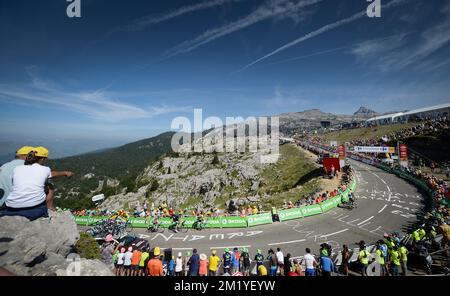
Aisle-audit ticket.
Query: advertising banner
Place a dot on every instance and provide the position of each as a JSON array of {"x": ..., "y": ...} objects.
[
  {"x": 290, "y": 214},
  {"x": 327, "y": 205},
  {"x": 403, "y": 152},
  {"x": 265, "y": 218},
  {"x": 311, "y": 210},
  {"x": 88, "y": 220},
  {"x": 341, "y": 151},
  {"x": 373, "y": 149},
  {"x": 233, "y": 221},
  {"x": 139, "y": 222}
]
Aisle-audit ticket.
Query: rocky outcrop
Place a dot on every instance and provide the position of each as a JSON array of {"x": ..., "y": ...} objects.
[
  {"x": 41, "y": 247},
  {"x": 195, "y": 177}
]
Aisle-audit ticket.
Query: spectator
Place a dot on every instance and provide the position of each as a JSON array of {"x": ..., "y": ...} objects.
[
  {"x": 185, "y": 263},
  {"x": 395, "y": 261},
  {"x": 327, "y": 264},
  {"x": 380, "y": 258},
  {"x": 154, "y": 266},
  {"x": 259, "y": 258},
  {"x": 6, "y": 172},
  {"x": 287, "y": 264},
  {"x": 280, "y": 261},
  {"x": 28, "y": 197},
  {"x": 143, "y": 261},
  {"x": 310, "y": 263},
  {"x": 193, "y": 263},
  {"x": 108, "y": 250},
  {"x": 262, "y": 270},
  {"x": 120, "y": 261},
  {"x": 171, "y": 266},
  {"x": 203, "y": 265},
  {"x": 226, "y": 261},
  {"x": 179, "y": 265},
  {"x": 245, "y": 258},
  {"x": 297, "y": 268},
  {"x": 135, "y": 259},
  {"x": 127, "y": 261},
  {"x": 214, "y": 261},
  {"x": 235, "y": 260},
  {"x": 345, "y": 258},
  {"x": 273, "y": 263},
  {"x": 403, "y": 252},
  {"x": 363, "y": 258}
]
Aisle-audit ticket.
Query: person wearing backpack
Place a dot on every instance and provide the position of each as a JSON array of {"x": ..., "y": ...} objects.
[{"x": 245, "y": 259}]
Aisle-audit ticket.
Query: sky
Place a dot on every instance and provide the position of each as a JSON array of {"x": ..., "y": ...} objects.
[{"x": 125, "y": 69}]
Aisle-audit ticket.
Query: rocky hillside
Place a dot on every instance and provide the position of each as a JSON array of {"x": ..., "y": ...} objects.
[{"x": 207, "y": 180}]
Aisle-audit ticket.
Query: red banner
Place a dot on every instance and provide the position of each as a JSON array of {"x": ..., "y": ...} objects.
[
  {"x": 403, "y": 152},
  {"x": 341, "y": 151}
]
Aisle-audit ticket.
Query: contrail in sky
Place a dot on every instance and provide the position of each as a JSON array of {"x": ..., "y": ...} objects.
[
  {"x": 266, "y": 11},
  {"x": 317, "y": 32}
]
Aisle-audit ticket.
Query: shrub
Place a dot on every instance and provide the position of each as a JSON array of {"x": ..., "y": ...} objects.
[{"x": 87, "y": 247}]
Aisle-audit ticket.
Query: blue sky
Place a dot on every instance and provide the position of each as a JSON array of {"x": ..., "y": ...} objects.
[{"x": 125, "y": 69}]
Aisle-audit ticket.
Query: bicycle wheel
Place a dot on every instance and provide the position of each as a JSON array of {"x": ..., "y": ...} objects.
[{"x": 183, "y": 228}]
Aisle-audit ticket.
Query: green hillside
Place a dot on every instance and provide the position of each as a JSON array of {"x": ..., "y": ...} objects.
[{"x": 122, "y": 164}]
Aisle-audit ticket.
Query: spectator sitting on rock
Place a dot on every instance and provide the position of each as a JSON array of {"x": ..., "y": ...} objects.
[
  {"x": 7, "y": 169},
  {"x": 28, "y": 197}
]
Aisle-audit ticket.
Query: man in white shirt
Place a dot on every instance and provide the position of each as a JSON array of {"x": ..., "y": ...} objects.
[
  {"x": 280, "y": 259},
  {"x": 310, "y": 263},
  {"x": 6, "y": 172},
  {"x": 28, "y": 197},
  {"x": 127, "y": 261}
]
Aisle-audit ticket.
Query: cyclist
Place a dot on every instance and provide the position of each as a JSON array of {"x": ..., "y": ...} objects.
[
  {"x": 351, "y": 199},
  {"x": 176, "y": 221},
  {"x": 156, "y": 221},
  {"x": 199, "y": 224}
]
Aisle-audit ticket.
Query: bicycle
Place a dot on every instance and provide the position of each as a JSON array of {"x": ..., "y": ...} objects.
[
  {"x": 199, "y": 225},
  {"x": 178, "y": 226},
  {"x": 155, "y": 227}
]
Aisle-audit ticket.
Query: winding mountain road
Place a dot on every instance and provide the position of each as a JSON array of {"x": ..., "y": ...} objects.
[{"x": 386, "y": 203}]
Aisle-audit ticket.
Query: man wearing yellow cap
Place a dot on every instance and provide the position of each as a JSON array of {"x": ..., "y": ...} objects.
[
  {"x": 6, "y": 172},
  {"x": 28, "y": 197}
]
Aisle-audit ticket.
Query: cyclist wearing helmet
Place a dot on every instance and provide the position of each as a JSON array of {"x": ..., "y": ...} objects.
[
  {"x": 176, "y": 221},
  {"x": 200, "y": 220}
]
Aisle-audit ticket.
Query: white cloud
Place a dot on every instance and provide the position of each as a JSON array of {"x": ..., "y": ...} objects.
[
  {"x": 398, "y": 54},
  {"x": 149, "y": 20},
  {"x": 97, "y": 105},
  {"x": 282, "y": 100},
  {"x": 271, "y": 9}
]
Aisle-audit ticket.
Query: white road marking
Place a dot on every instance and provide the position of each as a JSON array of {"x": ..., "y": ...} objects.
[
  {"x": 384, "y": 182},
  {"x": 366, "y": 220},
  {"x": 289, "y": 242},
  {"x": 340, "y": 231},
  {"x": 231, "y": 247},
  {"x": 382, "y": 209}
]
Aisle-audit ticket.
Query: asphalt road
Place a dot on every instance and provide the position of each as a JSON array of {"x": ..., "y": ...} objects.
[{"x": 386, "y": 203}]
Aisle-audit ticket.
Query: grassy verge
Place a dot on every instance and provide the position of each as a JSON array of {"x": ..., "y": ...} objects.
[{"x": 364, "y": 133}]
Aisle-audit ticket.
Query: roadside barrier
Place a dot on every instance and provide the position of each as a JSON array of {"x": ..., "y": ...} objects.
[{"x": 235, "y": 221}]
